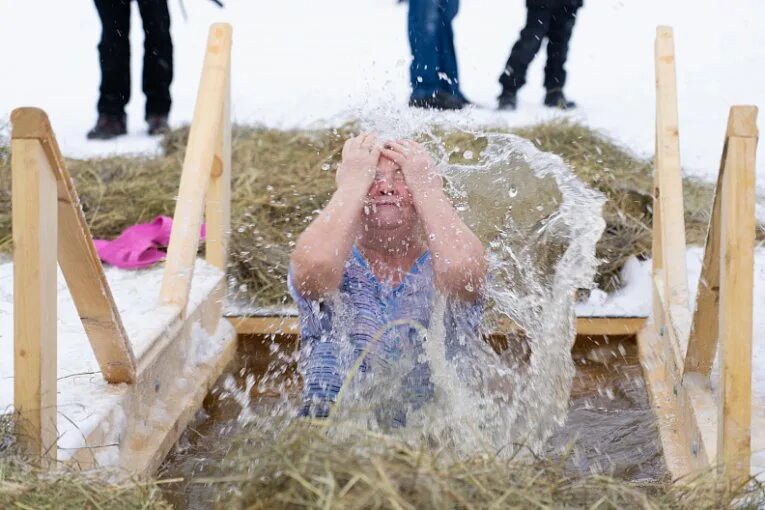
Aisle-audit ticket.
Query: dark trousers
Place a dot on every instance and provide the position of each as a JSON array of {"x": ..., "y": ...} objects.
[
  {"x": 556, "y": 24},
  {"x": 114, "y": 56},
  {"x": 434, "y": 61}
]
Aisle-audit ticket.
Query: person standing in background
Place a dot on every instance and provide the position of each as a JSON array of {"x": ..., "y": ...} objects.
[
  {"x": 553, "y": 19},
  {"x": 433, "y": 72},
  {"x": 114, "y": 58}
]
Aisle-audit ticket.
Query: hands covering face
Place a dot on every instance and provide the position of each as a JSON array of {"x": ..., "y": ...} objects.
[
  {"x": 416, "y": 165},
  {"x": 362, "y": 153},
  {"x": 359, "y": 165}
]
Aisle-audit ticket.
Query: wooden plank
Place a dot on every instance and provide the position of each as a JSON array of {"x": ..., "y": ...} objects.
[
  {"x": 604, "y": 326},
  {"x": 171, "y": 385},
  {"x": 34, "y": 297},
  {"x": 590, "y": 326},
  {"x": 682, "y": 445},
  {"x": 702, "y": 344},
  {"x": 197, "y": 166},
  {"x": 265, "y": 325},
  {"x": 670, "y": 188},
  {"x": 78, "y": 258},
  {"x": 737, "y": 226},
  {"x": 218, "y": 204},
  {"x": 218, "y": 209}
]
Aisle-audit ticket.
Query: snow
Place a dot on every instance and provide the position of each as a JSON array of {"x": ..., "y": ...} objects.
[
  {"x": 303, "y": 62},
  {"x": 85, "y": 400}
]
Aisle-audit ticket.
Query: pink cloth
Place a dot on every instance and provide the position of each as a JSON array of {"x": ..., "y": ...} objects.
[{"x": 138, "y": 245}]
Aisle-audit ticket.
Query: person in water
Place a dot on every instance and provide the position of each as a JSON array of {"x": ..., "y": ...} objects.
[{"x": 387, "y": 242}]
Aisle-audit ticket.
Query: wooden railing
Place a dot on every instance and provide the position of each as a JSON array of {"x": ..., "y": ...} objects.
[
  {"x": 723, "y": 315},
  {"x": 205, "y": 181},
  {"x": 49, "y": 228},
  {"x": 46, "y": 215}
]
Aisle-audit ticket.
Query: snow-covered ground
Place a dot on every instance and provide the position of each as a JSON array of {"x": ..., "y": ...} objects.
[
  {"x": 299, "y": 62},
  {"x": 85, "y": 399}
]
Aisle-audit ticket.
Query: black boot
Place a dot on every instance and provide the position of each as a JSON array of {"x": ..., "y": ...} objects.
[
  {"x": 158, "y": 124},
  {"x": 439, "y": 100},
  {"x": 555, "y": 99},
  {"x": 108, "y": 127},
  {"x": 507, "y": 100}
]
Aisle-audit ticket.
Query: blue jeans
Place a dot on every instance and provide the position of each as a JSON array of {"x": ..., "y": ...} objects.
[{"x": 434, "y": 62}]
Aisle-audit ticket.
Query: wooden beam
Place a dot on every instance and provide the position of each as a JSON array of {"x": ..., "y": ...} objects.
[
  {"x": 702, "y": 344},
  {"x": 737, "y": 237},
  {"x": 218, "y": 202},
  {"x": 589, "y": 326},
  {"x": 78, "y": 258},
  {"x": 197, "y": 167},
  {"x": 34, "y": 297},
  {"x": 606, "y": 326},
  {"x": 218, "y": 208},
  {"x": 669, "y": 189}
]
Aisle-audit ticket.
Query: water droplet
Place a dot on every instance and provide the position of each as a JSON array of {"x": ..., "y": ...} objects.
[
  {"x": 540, "y": 208},
  {"x": 431, "y": 236},
  {"x": 467, "y": 154},
  {"x": 513, "y": 192}
]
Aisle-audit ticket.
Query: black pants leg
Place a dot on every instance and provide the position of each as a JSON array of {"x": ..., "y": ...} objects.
[
  {"x": 561, "y": 28},
  {"x": 157, "y": 56},
  {"x": 114, "y": 56},
  {"x": 524, "y": 50}
]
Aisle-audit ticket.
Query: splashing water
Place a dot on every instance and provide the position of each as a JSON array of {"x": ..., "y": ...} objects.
[{"x": 540, "y": 225}]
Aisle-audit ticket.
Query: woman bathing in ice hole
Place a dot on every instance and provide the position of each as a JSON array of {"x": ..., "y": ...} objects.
[{"x": 387, "y": 240}]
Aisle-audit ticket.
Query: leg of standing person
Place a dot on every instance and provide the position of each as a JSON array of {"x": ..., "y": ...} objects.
[
  {"x": 114, "y": 60},
  {"x": 559, "y": 35},
  {"x": 530, "y": 40},
  {"x": 157, "y": 63},
  {"x": 425, "y": 26},
  {"x": 449, "y": 75}
]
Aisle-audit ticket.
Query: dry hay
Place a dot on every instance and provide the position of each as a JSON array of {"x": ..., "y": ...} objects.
[
  {"x": 300, "y": 467},
  {"x": 24, "y": 486},
  {"x": 281, "y": 178}
]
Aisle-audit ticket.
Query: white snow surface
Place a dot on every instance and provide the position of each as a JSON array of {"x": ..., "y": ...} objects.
[
  {"x": 303, "y": 63},
  {"x": 85, "y": 400},
  {"x": 634, "y": 300}
]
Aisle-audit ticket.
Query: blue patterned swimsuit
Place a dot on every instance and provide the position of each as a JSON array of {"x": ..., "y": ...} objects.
[{"x": 391, "y": 318}]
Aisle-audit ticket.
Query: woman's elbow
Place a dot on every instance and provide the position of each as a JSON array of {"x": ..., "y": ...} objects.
[
  {"x": 314, "y": 278},
  {"x": 463, "y": 279}
]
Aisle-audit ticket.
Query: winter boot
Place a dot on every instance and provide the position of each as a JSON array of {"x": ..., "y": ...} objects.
[
  {"x": 555, "y": 99},
  {"x": 158, "y": 124},
  {"x": 108, "y": 127},
  {"x": 439, "y": 100},
  {"x": 507, "y": 101}
]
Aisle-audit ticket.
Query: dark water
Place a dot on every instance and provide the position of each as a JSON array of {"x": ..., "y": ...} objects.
[{"x": 610, "y": 426}]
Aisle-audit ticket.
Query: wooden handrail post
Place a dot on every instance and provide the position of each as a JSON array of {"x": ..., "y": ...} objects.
[
  {"x": 204, "y": 140},
  {"x": 218, "y": 204},
  {"x": 668, "y": 192},
  {"x": 77, "y": 256},
  {"x": 703, "y": 342},
  {"x": 736, "y": 266},
  {"x": 35, "y": 218}
]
